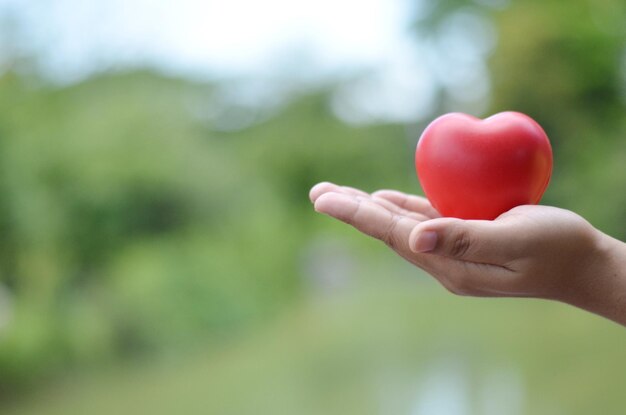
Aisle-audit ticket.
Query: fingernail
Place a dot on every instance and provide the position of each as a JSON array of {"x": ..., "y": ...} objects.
[{"x": 425, "y": 242}]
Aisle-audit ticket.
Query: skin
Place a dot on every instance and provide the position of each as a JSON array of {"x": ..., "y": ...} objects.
[{"x": 530, "y": 251}]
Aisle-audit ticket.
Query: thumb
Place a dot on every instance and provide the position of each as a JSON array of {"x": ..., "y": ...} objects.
[{"x": 467, "y": 240}]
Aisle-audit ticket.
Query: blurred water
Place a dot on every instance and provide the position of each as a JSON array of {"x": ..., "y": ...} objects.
[
  {"x": 444, "y": 390},
  {"x": 449, "y": 388}
]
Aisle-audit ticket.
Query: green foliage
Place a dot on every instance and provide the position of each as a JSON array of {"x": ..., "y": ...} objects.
[{"x": 129, "y": 224}]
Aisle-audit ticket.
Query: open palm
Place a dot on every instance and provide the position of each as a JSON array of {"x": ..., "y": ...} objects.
[{"x": 529, "y": 251}]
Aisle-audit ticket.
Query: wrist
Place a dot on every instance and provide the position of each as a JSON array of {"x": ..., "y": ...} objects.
[{"x": 602, "y": 280}]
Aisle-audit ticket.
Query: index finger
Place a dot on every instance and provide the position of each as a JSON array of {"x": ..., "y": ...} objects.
[{"x": 370, "y": 218}]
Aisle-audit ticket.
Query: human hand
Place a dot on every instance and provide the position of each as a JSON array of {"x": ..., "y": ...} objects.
[{"x": 529, "y": 251}]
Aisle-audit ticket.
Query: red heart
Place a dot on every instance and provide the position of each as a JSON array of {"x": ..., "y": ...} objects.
[{"x": 478, "y": 169}]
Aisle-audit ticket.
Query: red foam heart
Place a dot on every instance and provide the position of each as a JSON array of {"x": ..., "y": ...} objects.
[{"x": 478, "y": 169}]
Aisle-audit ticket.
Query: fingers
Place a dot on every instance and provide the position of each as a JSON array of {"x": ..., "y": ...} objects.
[
  {"x": 325, "y": 187},
  {"x": 398, "y": 210},
  {"x": 456, "y": 273},
  {"x": 467, "y": 257},
  {"x": 480, "y": 241},
  {"x": 470, "y": 257},
  {"x": 369, "y": 217},
  {"x": 411, "y": 203}
]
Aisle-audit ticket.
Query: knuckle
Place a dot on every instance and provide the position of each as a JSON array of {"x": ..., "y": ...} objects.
[
  {"x": 353, "y": 217},
  {"x": 461, "y": 244},
  {"x": 389, "y": 235}
]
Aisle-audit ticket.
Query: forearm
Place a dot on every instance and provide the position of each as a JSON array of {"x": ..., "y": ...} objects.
[{"x": 603, "y": 290}]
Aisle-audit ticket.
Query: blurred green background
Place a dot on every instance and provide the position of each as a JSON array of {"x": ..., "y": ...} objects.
[{"x": 158, "y": 252}]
